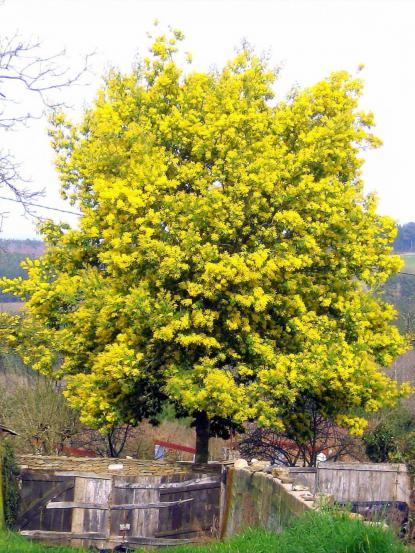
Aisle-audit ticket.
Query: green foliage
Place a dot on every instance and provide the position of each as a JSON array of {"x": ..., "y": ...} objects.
[
  {"x": 11, "y": 493},
  {"x": 311, "y": 533},
  {"x": 380, "y": 443},
  {"x": 391, "y": 438}
]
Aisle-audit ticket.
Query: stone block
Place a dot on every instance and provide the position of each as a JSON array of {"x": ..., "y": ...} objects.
[
  {"x": 240, "y": 464},
  {"x": 280, "y": 471},
  {"x": 300, "y": 488}
]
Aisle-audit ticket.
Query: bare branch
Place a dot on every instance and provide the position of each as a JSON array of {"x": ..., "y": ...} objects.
[{"x": 25, "y": 72}]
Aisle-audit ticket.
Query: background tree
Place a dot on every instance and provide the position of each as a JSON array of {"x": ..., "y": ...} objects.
[
  {"x": 306, "y": 435},
  {"x": 226, "y": 254},
  {"x": 405, "y": 239},
  {"x": 31, "y": 84},
  {"x": 390, "y": 437},
  {"x": 108, "y": 444},
  {"x": 40, "y": 414}
]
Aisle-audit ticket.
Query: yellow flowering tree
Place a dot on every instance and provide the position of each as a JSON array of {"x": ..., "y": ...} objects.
[{"x": 225, "y": 257}]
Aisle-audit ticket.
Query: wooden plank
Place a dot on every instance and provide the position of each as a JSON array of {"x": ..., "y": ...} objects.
[
  {"x": 169, "y": 485},
  {"x": 76, "y": 505},
  {"x": 96, "y": 491},
  {"x": 158, "y": 505},
  {"x": 197, "y": 487},
  {"x": 312, "y": 470},
  {"x": 78, "y": 514},
  {"x": 103, "y": 507},
  {"x": 39, "y": 476},
  {"x": 114, "y": 540},
  {"x": 376, "y": 467},
  {"x": 144, "y": 522},
  {"x": 45, "y": 535},
  {"x": 143, "y": 540}
]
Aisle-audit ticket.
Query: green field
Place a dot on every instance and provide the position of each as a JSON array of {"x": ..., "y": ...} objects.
[
  {"x": 409, "y": 259},
  {"x": 312, "y": 533}
]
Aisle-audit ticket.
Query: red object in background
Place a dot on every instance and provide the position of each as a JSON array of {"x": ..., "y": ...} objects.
[
  {"x": 177, "y": 447},
  {"x": 78, "y": 452}
]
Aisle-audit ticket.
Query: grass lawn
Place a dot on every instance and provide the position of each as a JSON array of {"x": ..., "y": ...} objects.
[{"x": 312, "y": 533}]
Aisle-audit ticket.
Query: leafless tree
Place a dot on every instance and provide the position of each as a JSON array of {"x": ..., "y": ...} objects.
[
  {"x": 104, "y": 444},
  {"x": 40, "y": 414},
  {"x": 302, "y": 448},
  {"x": 29, "y": 83}
]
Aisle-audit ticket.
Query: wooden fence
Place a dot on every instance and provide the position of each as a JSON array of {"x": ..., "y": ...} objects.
[
  {"x": 104, "y": 510},
  {"x": 357, "y": 481},
  {"x": 364, "y": 481}
]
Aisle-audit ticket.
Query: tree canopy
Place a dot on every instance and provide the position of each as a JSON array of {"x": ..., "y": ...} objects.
[{"x": 226, "y": 254}]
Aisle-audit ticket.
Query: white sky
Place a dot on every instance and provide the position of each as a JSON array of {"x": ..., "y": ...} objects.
[{"x": 310, "y": 38}]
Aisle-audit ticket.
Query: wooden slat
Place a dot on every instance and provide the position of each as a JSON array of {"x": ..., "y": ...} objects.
[
  {"x": 76, "y": 505},
  {"x": 158, "y": 505},
  {"x": 113, "y": 540},
  {"x": 372, "y": 467},
  {"x": 39, "y": 476},
  {"x": 142, "y": 540},
  {"x": 46, "y": 535},
  {"x": 188, "y": 489},
  {"x": 103, "y": 507},
  {"x": 168, "y": 485}
]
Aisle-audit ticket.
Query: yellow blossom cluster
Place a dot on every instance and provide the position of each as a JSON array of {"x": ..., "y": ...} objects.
[{"x": 226, "y": 255}]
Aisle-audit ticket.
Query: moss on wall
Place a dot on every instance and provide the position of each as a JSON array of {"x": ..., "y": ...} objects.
[{"x": 259, "y": 499}]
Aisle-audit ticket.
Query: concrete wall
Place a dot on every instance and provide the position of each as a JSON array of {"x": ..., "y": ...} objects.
[{"x": 259, "y": 499}]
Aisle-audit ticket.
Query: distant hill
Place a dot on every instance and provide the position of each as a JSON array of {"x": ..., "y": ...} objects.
[{"x": 12, "y": 253}]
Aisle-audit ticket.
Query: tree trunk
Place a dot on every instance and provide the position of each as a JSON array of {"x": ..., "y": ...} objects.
[{"x": 202, "y": 437}]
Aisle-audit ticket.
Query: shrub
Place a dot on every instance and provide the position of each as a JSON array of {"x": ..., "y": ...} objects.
[{"x": 11, "y": 493}]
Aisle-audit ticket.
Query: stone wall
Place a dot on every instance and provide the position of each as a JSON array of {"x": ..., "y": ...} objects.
[{"x": 255, "y": 498}]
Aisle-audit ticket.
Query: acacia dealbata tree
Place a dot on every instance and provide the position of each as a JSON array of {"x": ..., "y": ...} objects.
[{"x": 225, "y": 257}]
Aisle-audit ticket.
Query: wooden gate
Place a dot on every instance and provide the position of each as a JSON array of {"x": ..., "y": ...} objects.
[
  {"x": 104, "y": 511},
  {"x": 38, "y": 489}
]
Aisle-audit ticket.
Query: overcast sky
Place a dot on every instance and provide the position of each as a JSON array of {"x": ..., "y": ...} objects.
[{"x": 310, "y": 38}]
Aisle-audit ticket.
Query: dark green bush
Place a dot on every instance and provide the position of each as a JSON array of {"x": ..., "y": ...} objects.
[
  {"x": 11, "y": 492},
  {"x": 391, "y": 438}
]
